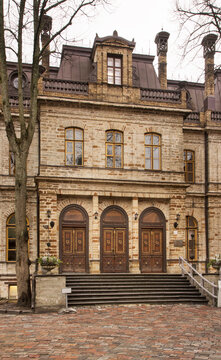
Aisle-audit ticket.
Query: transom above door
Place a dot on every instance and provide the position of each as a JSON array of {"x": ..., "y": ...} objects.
[
  {"x": 74, "y": 239},
  {"x": 114, "y": 241}
]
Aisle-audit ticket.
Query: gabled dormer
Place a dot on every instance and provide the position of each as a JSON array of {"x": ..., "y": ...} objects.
[{"x": 113, "y": 56}]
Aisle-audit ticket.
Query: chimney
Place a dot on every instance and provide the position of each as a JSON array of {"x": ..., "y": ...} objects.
[
  {"x": 208, "y": 44},
  {"x": 45, "y": 37},
  {"x": 162, "y": 46}
]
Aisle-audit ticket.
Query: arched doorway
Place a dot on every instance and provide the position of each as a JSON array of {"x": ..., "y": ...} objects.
[
  {"x": 152, "y": 241},
  {"x": 74, "y": 239},
  {"x": 114, "y": 240}
]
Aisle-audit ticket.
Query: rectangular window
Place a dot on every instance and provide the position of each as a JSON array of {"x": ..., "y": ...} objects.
[
  {"x": 74, "y": 147},
  {"x": 114, "y": 149},
  {"x": 152, "y": 151},
  {"x": 189, "y": 166},
  {"x": 114, "y": 70}
]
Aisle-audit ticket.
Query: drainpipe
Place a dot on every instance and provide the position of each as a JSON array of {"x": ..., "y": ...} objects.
[
  {"x": 208, "y": 44},
  {"x": 206, "y": 199}
]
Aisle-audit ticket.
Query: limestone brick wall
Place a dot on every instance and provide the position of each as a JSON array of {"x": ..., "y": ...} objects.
[
  {"x": 214, "y": 140},
  {"x": 170, "y": 205},
  {"x": 194, "y": 140},
  {"x": 95, "y": 123},
  {"x": 32, "y": 162},
  {"x": 214, "y": 226},
  {"x": 49, "y": 292},
  {"x": 7, "y": 269}
]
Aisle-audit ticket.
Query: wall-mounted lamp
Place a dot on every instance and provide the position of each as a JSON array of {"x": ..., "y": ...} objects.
[
  {"x": 96, "y": 215},
  {"x": 135, "y": 216},
  {"x": 48, "y": 214},
  {"x": 175, "y": 224}
]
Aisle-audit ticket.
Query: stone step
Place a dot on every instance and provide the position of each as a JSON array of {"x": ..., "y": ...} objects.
[
  {"x": 131, "y": 288},
  {"x": 162, "y": 300},
  {"x": 129, "y": 291},
  {"x": 151, "y": 294}
]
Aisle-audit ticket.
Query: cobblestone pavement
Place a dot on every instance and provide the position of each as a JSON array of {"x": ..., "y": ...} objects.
[{"x": 114, "y": 332}]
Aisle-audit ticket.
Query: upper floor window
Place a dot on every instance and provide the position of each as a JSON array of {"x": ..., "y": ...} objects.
[
  {"x": 191, "y": 235},
  {"x": 74, "y": 146},
  {"x": 189, "y": 165},
  {"x": 114, "y": 70},
  {"x": 114, "y": 149},
  {"x": 11, "y": 238},
  {"x": 152, "y": 151},
  {"x": 11, "y": 163}
]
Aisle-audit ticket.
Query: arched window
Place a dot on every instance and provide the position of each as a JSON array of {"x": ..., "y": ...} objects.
[
  {"x": 114, "y": 149},
  {"x": 11, "y": 238},
  {"x": 191, "y": 236},
  {"x": 189, "y": 165},
  {"x": 74, "y": 147},
  {"x": 152, "y": 151}
]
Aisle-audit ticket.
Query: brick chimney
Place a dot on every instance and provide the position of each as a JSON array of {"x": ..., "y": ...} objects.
[
  {"x": 161, "y": 40},
  {"x": 45, "y": 37},
  {"x": 208, "y": 44}
]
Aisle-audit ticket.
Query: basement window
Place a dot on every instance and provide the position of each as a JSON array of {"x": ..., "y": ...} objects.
[{"x": 12, "y": 292}]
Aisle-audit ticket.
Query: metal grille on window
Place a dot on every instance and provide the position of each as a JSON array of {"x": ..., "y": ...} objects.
[{"x": 74, "y": 147}]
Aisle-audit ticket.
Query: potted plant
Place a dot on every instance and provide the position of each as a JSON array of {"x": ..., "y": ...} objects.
[
  {"x": 48, "y": 262},
  {"x": 216, "y": 262}
]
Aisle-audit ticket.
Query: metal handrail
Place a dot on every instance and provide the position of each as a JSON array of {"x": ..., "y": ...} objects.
[{"x": 202, "y": 278}]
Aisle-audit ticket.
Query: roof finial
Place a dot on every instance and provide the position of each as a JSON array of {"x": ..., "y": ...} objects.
[{"x": 115, "y": 34}]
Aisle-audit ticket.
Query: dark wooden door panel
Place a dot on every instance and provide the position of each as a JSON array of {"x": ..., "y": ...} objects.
[
  {"x": 73, "y": 250},
  {"x": 114, "y": 255},
  {"x": 151, "y": 257}
]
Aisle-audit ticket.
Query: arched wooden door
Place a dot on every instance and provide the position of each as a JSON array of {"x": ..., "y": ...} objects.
[
  {"x": 114, "y": 240},
  {"x": 74, "y": 239},
  {"x": 152, "y": 241}
]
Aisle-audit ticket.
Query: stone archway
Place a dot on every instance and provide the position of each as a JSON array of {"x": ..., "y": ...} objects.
[
  {"x": 114, "y": 240},
  {"x": 74, "y": 239}
]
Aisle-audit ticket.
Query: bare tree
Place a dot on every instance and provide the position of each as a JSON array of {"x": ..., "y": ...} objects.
[
  {"x": 197, "y": 19},
  {"x": 17, "y": 17}
]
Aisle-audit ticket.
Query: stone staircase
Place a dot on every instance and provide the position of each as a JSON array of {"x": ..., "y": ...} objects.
[{"x": 90, "y": 289}]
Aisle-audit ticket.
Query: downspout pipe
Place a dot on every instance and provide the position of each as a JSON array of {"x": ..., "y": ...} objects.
[{"x": 206, "y": 199}]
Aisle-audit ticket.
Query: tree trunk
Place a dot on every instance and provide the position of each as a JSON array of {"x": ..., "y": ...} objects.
[{"x": 22, "y": 253}]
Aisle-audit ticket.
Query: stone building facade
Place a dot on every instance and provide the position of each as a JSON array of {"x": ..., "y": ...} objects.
[{"x": 124, "y": 162}]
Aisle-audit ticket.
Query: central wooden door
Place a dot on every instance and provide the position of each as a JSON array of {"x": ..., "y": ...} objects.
[
  {"x": 114, "y": 255},
  {"x": 151, "y": 250},
  {"x": 73, "y": 250}
]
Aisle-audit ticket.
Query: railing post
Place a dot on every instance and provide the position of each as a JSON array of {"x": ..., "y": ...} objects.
[
  {"x": 202, "y": 284},
  {"x": 219, "y": 294}
]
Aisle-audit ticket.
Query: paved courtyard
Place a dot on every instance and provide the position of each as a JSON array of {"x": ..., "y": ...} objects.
[{"x": 114, "y": 332}]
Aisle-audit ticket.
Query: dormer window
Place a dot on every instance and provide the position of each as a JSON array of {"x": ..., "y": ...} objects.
[{"x": 114, "y": 70}]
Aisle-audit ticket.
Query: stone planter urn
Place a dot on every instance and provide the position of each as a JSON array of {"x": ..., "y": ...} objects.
[
  {"x": 48, "y": 263},
  {"x": 46, "y": 268},
  {"x": 217, "y": 266}
]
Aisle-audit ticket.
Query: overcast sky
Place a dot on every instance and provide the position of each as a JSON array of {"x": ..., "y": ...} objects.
[{"x": 142, "y": 20}]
